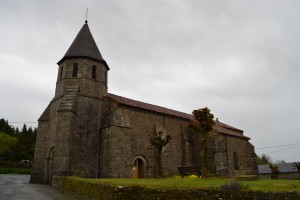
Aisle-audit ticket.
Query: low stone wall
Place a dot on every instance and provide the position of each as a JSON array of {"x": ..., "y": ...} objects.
[{"x": 86, "y": 191}]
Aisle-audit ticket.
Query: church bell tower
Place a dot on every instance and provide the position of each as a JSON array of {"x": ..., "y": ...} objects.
[
  {"x": 68, "y": 129},
  {"x": 82, "y": 68}
]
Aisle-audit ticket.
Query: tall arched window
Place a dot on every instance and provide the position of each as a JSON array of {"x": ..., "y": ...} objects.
[
  {"x": 235, "y": 161},
  {"x": 61, "y": 72},
  {"x": 75, "y": 70},
  {"x": 105, "y": 77},
  {"x": 94, "y": 72}
]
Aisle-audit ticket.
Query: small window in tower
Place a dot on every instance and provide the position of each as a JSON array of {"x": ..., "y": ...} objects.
[
  {"x": 75, "y": 70},
  {"x": 94, "y": 72},
  {"x": 61, "y": 72}
]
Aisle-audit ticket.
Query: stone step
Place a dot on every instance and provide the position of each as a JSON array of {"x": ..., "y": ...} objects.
[
  {"x": 72, "y": 89},
  {"x": 68, "y": 99}
]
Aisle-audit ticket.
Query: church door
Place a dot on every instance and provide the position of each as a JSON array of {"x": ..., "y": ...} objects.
[{"x": 138, "y": 168}]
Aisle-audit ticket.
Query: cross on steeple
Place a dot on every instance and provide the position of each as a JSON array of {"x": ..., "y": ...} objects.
[{"x": 86, "y": 14}]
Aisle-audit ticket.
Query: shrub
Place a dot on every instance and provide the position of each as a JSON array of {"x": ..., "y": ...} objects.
[
  {"x": 234, "y": 185},
  {"x": 274, "y": 169}
]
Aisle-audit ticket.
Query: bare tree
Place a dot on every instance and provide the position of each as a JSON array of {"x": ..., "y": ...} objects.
[{"x": 158, "y": 142}]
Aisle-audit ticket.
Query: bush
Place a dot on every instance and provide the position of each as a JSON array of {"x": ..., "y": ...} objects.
[
  {"x": 8, "y": 170},
  {"x": 14, "y": 165},
  {"x": 234, "y": 185},
  {"x": 275, "y": 170}
]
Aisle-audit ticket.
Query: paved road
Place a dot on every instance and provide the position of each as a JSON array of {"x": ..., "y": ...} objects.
[{"x": 17, "y": 187}]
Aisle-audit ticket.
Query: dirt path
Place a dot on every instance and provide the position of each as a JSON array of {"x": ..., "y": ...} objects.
[{"x": 15, "y": 187}]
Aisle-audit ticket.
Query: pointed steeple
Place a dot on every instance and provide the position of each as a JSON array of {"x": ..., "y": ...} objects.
[{"x": 84, "y": 45}]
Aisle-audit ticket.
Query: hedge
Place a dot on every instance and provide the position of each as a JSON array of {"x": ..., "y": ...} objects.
[{"x": 87, "y": 190}]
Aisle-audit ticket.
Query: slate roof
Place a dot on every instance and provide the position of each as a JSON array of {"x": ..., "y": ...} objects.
[
  {"x": 220, "y": 127},
  {"x": 283, "y": 168},
  {"x": 84, "y": 45}
]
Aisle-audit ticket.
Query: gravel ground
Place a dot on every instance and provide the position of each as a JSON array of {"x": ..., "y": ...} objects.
[{"x": 15, "y": 187}]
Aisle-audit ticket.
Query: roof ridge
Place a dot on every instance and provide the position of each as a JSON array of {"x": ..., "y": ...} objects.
[{"x": 227, "y": 126}]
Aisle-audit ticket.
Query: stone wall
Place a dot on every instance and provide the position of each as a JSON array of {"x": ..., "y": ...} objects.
[
  {"x": 88, "y": 86},
  {"x": 127, "y": 136},
  {"x": 238, "y": 145},
  {"x": 220, "y": 156},
  {"x": 84, "y": 142}
]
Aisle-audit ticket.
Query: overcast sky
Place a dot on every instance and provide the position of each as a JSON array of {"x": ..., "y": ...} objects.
[{"x": 240, "y": 58}]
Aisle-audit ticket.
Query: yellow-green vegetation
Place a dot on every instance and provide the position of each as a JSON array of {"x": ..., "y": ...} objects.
[
  {"x": 279, "y": 185},
  {"x": 175, "y": 182},
  {"x": 177, "y": 188},
  {"x": 275, "y": 185}
]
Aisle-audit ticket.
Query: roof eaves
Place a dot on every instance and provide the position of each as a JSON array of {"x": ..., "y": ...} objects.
[{"x": 147, "y": 106}]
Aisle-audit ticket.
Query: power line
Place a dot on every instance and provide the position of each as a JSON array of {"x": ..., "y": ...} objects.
[
  {"x": 284, "y": 145},
  {"x": 284, "y": 149}
]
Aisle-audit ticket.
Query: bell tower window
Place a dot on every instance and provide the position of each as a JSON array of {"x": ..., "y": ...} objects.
[
  {"x": 75, "y": 70},
  {"x": 105, "y": 77},
  {"x": 94, "y": 72}
]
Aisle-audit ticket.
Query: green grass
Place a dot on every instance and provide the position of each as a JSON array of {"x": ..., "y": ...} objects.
[
  {"x": 13, "y": 170},
  {"x": 275, "y": 185},
  {"x": 183, "y": 183}
]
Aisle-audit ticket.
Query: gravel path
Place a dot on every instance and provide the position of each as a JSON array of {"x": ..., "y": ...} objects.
[{"x": 15, "y": 187}]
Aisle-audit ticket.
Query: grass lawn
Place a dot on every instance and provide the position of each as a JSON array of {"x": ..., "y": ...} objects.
[{"x": 260, "y": 184}]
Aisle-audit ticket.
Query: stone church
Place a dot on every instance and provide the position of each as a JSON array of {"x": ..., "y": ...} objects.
[{"x": 89, "y": 132}]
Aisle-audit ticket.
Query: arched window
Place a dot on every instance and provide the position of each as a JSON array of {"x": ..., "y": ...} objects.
[
  {"x": 235, "y": 161},
  {"x": 61, "y": 72},
  {"x": 75, "y": 70},
  {"x": 94, "y": 72}
]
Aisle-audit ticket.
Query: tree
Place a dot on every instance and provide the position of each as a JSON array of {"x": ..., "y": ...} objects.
[
  {"x": 7, "y": 146},
  {"x": 158, "y": 142},
  {"x": 279, "y": 162},
  {"x": 297, "y": 166},
  {"x": 203, "y": 123},
  {"x": 264, "y": 159},
  {"x": 6, "y": 128},
  {"x": 25, "y": 144},
  {"x": 21, "y": 143}
]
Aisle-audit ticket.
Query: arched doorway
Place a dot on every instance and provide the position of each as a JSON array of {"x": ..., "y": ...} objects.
[
  {"x": 49, "y": 165},
  {"x": 139, "y": 167}
]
